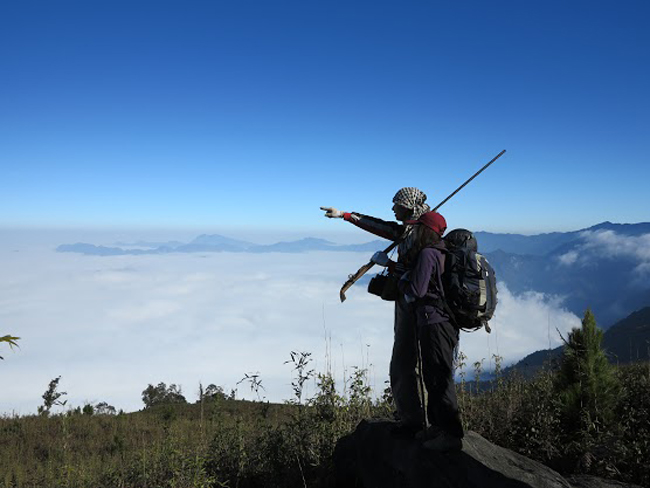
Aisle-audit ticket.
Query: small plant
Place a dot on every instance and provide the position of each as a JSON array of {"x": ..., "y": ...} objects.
[
  {"x": 327, "y": 401},
  {"x": 478, "y": 370},
  {"x": 254, "y": 381},
  {"x": 360, "y": 392},
  {"x": 103, "y": 408},
  {"x": 213, "y": 393},
  {"x": 498, "y": 361},
  {"x": 51, "y": 397},
  {"x": 11, "y": 340},
  {"x": 300, "y": 361}
]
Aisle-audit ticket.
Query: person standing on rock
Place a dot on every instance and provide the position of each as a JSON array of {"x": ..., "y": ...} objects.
[
  {"x": 437, "y": 337},
  {"x": 409, "y": 204}
]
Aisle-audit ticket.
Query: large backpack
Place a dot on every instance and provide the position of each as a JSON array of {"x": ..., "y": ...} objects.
[{"x": 469, "y": 282}]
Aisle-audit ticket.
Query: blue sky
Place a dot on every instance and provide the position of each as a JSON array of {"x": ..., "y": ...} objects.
[{"x": 253, "y": 114}]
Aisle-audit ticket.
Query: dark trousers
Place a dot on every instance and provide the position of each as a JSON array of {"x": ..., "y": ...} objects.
[
  {"x": 403, "y": 365},
  {"x": 437, "y": 344}
]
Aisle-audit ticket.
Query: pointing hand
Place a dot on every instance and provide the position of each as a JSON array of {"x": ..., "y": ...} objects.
[{"x": 332, "y": 213}]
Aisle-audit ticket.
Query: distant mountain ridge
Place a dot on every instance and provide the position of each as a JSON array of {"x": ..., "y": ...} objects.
[
  {"x": 219, "y": 243},
  {"x": 509, "y": 244},
  {"x": 150, "y": 244},
  {"x": 541, "y": 244},
  {"x": 605, "y": 267}
]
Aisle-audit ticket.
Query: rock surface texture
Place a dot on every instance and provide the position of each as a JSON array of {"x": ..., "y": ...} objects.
[
  {"x": 584, "y": 481},
  {"x": 377, "y": 455}
]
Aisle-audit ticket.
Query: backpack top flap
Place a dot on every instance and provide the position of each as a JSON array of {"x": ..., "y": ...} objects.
[{"x": 461, "y": 239}]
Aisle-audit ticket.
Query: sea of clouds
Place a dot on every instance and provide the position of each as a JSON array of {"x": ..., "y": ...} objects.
[{"x": 109, "y": 326}]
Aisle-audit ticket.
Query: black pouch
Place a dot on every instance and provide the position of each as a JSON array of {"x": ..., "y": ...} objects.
[{"x": 384, "y": 285}]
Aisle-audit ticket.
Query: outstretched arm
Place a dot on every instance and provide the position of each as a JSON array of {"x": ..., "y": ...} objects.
[{"x": 382, "y": 228}]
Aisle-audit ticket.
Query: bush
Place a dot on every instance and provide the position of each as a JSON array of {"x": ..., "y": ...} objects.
[{"x": 162, "y": 395}]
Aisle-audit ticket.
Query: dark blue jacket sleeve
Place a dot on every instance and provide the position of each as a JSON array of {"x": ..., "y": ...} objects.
[{"x": 382, "y": 228}]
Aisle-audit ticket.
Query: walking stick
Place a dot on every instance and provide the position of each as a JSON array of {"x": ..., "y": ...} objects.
[{"x": 352, "y": 279}]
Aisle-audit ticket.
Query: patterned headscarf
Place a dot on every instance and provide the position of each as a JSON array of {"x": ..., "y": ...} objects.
[{"x": 413, "y": 199}]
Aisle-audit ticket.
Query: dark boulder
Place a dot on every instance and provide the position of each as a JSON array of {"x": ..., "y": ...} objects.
[
  {"x": 585, "y": 481},
  {"x": 377, "y": 455}
]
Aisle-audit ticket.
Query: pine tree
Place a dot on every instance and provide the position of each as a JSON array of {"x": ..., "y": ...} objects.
[{"x": 586, "y": 384}]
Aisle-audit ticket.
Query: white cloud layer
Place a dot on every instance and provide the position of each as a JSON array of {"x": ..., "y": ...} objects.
[
  {"x": 521, "y": 325},
  {"x": 111, "y": 325},
  {"x": 609, "y": 243}
]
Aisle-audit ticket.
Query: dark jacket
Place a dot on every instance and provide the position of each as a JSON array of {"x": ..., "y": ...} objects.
[{"x": 424, "y": 283}]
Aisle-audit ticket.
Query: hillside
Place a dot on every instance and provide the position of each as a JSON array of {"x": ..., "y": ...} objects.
[
  {"x": 629, "y": 339},
  {"x": 626, "y": 341},
  {"x": 603, "y": 267}
]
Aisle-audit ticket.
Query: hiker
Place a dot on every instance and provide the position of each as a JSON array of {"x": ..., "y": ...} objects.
[
  {"x": 436, "y": 335},
  {"x": 409, "y": 204}
]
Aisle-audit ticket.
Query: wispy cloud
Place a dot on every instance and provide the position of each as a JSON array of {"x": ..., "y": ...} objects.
[
  {"x": 112, "y": 325},
  {"x": 607, "y": 243}
]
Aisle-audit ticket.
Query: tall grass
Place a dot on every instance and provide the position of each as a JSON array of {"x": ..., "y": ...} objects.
[{"x": 227, "y": 443}]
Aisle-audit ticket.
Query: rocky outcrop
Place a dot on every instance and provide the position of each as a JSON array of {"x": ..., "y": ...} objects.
[
  {"x": 377, "y": 455},
  {"x": 584, "y": 481}
]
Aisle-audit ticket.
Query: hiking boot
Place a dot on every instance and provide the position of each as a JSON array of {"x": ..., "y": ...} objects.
[
  {"x": 403, "y": 430},
  {"x": 443, "y": 442},
  {"x": 428, "y": 433}
]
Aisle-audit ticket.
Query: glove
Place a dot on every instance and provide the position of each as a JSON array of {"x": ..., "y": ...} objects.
[
  {"x": 380, "y": 258},
  {"x": 332, "y": 213}
]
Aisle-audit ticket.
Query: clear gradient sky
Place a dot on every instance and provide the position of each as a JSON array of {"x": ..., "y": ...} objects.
[{"x": 256, "y": 113}]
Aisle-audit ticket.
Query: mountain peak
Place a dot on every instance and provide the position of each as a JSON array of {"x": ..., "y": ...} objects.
[
  {"x": 316, "y": 240},
  {"x": 217, "y": 239},
  {"x": 627, "y": 229}
]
